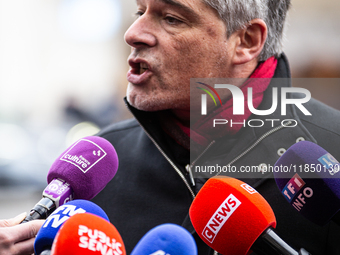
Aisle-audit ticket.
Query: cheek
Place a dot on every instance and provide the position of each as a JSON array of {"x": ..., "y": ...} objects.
[
  {"x": 188, "y": 56},
  {"x": 211, "y": 32},
  {"x": 178, "y": 65}
]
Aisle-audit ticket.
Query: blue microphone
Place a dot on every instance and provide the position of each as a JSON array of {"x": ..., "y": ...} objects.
[
  {"x": 48, "y": 231},
  {"x": 166, "y": 239}
]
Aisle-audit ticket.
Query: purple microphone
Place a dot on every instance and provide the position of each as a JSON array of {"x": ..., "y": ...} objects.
[
  {"x": 308, "y": 177},
  {"x": 80, "y": 172}
]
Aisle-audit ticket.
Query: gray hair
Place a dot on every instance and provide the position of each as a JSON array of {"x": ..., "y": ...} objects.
[{"x": 238, "y": 13}]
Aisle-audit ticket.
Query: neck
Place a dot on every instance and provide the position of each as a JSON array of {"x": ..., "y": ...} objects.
[{"x": 183, "y": 116}]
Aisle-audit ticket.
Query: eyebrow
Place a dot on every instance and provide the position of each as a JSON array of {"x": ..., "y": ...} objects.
[{"x": 181, "y": 6}]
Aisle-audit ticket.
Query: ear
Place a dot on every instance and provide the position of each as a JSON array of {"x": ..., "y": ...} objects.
[{"x": 250, "y": 41}]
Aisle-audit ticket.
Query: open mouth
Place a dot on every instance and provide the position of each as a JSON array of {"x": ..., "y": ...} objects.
[
  {"x": 140, "y": 71},
  {"x": 143, "y": 67}
]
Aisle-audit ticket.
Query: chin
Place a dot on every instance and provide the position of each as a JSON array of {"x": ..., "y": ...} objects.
[
  {"x": 153, "y": 104},
  {"x": 145, "y": 105}
]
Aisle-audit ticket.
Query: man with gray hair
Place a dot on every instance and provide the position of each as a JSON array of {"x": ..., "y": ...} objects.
[{"x": 171, "y": 42}]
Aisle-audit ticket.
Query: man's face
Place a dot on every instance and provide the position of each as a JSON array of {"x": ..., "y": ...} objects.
[{"x": 173, "y": 41}]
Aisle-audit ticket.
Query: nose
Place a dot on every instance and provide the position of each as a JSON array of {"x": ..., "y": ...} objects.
[{"x": 141, "y": 33}]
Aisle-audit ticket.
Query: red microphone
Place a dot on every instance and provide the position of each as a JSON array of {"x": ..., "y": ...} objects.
[
  {"x": 90, "y": 234},
  {"x": 233, "y": 218}
]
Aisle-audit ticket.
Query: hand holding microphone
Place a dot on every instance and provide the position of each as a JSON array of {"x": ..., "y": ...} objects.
[
  {"x": 233, "y": 218},
  {"x": 80, "y": 172},
  {"x": 18, "y": 239}
]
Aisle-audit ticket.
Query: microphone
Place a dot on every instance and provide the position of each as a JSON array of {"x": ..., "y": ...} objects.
[
  {"x": 88, "y": 234},
  {"x": 312, "y": 185},
  {"x": 233, "y": 218},
  {"x": 44, "y": 239},
  {"x": 166, "y": 239},
  {"x": 80, "y": 172}
]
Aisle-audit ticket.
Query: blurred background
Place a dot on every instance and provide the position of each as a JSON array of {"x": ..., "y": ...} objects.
[{"x": 63, "y": 76}]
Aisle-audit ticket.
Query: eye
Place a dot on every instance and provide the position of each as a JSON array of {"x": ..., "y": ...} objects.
[
  {"x": 172, "y": 21},
  {"x": 138, "y": 14}
]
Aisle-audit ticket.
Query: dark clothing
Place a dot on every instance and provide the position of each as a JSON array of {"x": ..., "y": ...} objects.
[{"x": 152, "y": 185}]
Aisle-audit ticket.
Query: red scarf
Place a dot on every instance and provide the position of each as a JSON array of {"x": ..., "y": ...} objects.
[{"x": 201, "y": 132}]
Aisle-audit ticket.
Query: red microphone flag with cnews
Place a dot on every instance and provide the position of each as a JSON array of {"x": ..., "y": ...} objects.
[
  {"x": 87, "y": 233},
  {"x": 229, "y": 215}
]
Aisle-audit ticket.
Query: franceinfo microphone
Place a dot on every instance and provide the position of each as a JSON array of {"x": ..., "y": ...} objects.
[
  {"x": 45, "y": 237},
  {"x": 312, "y": 186},
  {"x": 80, "y": 172},
  {"x": 233, "y": 218},
  {"x": 166, "y": 239},
  {"x": 88, "y": 234}
]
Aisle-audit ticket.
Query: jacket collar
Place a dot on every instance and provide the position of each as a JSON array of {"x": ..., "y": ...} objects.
[{"x": 254, "y": 146}]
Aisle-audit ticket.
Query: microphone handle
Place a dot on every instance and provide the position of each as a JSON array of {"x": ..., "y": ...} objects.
[
  {"x": 41, "y": 210},
  {"x": 303, "y": 252},
  {"x": 278, "y": 246}
]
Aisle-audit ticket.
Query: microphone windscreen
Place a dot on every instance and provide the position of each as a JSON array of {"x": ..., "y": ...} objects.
[
  {"x": 53, "y": 223},
  {"x": 88, "y": 234},
  {"x": 229, "y": 215},
  {"x": 166, "y": 239},
  {"x": 308, "y": 177},
  {"x": 88, "y": 165}
]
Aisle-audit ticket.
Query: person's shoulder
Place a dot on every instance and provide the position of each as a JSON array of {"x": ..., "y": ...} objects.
[
  {"x": 323, "y": 116},
  {"x": 323, "y": 125}
]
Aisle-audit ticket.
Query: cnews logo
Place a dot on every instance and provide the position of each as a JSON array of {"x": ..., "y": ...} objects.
[{"x": 220, "y": 217}]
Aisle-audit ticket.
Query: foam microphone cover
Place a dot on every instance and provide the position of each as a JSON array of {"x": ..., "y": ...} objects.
[
  {"x": 308, "y": 177},
  {"x": 166, "y": 239},
  {"x": 229, "y": 215},
  {"x": 88, "y": 234},
  {"x": 53, "y": 223},
  {"x": 88, "y": 165}
]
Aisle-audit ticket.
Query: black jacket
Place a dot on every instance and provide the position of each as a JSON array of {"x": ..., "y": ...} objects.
[{"x": 152, "y": 185}]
